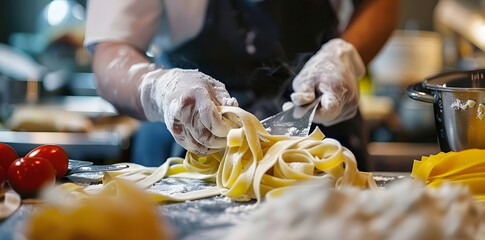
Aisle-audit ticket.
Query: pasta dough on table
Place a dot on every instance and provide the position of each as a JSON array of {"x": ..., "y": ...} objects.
[{"x": 253, "y": 165}]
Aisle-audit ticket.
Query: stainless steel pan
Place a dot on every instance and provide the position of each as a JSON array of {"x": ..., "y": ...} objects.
[{"x": 459, "y": 107}]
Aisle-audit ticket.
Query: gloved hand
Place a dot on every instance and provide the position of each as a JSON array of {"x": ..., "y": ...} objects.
[
  {"x": 187, "y": 100},
  {"x": 332, "y": 73}
]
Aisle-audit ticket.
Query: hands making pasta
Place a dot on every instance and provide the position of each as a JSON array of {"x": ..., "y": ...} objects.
[{"x": 206, "y": 55}]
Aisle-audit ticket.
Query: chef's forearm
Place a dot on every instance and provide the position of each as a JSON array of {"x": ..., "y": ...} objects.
[
  {"x": 371, "y": 26},
  {"x": 119, "y": 69}
]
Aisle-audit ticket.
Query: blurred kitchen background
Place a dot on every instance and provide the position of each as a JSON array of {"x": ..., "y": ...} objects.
[{"x": 48, "y": 96}]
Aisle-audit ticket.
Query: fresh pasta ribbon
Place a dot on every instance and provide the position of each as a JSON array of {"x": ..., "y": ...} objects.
[
  {"x": 284, "y": 161},
  {"x": 254, "y": 164},
  {"x": 466, "y": 167}
]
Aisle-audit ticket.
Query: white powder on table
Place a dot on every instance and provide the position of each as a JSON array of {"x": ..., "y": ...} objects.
[{"x": 406, "y": 211}]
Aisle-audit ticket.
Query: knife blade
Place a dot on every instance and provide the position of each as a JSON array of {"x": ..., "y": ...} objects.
[
  {"x": 78, "y": 163},
  {"x": 96, "y": 168},
  {"x": 79, "y": 166},
  {"x": 295, "y": 121}
]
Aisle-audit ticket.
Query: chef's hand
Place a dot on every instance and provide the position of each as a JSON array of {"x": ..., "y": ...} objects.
[
  {"x": 187, "y": 100},
  {"x": 332, "y": 73}
]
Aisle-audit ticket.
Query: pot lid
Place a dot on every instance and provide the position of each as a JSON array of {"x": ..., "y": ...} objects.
[{"x": 457, "y": 81}]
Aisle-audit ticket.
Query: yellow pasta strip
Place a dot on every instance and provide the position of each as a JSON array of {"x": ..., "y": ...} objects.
[
  {"x": 176, "y": 169},
  {"x": 428, "y": 165},
  {"x": 466, "y": 159},
  {"x": 266, "y": 163},
  {"x": 272, "y": 181}
]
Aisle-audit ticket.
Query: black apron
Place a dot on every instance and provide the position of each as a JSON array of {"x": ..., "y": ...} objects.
[{"x": 257, "y": 48}]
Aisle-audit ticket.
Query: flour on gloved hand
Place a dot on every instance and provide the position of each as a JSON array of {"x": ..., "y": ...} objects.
[
  {"x": 332, "y": 73},
  {"x": 187, "y": 100}
]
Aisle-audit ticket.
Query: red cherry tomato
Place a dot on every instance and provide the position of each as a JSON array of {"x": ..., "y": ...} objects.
[
  {"x": 56, "y": 155},
  {"x": 28, "y": 175},
  {"x": 7, "y": 156}
]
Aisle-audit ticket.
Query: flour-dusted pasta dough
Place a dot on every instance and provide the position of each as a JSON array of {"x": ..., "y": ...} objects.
[
  {"x": 406, "y": 211},
  {"x": 254, "y": 164}
]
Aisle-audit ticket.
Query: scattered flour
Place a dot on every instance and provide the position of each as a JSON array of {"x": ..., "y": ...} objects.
[
  {"x": 406, "y": 211},
  {"x": 292, "y": 131}
]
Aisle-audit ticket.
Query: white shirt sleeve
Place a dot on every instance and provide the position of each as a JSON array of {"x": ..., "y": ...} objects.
[
  {"x": 131, "y": 21},
  {"x": 344, "y": 10}
]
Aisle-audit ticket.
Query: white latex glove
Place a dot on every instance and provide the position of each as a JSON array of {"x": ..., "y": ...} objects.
[
  {"x": 332, "y": 73},
  {"x": 187, "y": 100}
]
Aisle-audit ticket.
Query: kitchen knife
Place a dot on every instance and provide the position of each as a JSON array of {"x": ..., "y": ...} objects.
[
  {"x": 295, "y": 121},
  {"x": 77, "y": 166}
]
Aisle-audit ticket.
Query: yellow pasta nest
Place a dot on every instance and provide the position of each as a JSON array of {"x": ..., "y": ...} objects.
[{"x": 466, "y": 167}]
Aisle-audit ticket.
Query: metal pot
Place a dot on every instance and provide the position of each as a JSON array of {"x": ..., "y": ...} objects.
[{"x": 459, "y": 107}]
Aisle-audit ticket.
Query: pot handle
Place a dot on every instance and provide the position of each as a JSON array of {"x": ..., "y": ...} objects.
[{"x": 418, "y": 92}]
